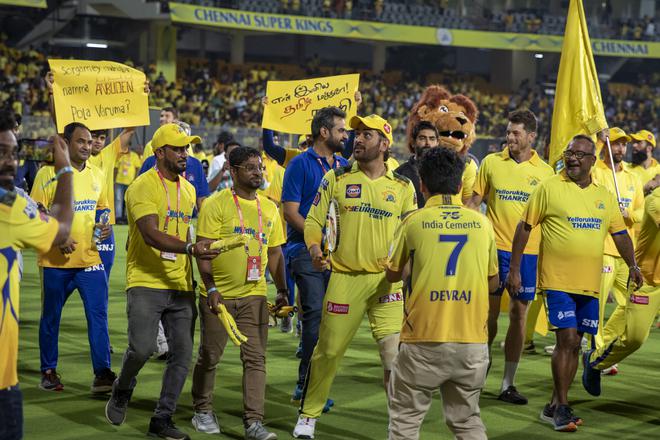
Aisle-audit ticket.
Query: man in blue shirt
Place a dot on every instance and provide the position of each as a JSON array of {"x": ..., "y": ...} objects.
[{"x": 301, "y": 182}]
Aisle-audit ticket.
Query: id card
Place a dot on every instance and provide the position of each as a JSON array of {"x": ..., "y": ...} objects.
[
  {"x": 170, "y": 256},
  {"x": 253, "y": 268}
]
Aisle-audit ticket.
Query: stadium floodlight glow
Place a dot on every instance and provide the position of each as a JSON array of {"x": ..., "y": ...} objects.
[
  {"x": 97, "y": 45},
  {"x": 538, "y": 55}
]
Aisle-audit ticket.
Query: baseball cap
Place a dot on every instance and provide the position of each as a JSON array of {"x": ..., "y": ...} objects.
[
  {"x": 616, "y": 133},
  {"x": 644, "y": 135},
  {"x": 174, "y": 135},
  {"x": 374, "y": 122}
]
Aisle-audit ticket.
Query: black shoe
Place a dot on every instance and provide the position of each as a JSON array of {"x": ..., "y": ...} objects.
[
  {"x": 103, "y": 381},
  {"x": 511, "y": 395},
  {"x": 563, "y": 419},
  {"x": 163, "y": 427},
  {"x": 115, "y": 409},
  {"x": 548, "y": 414}
]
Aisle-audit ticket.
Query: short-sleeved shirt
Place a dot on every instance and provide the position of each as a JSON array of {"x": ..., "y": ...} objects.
[
  {"x": 301, "y": 183},
  {"x": 574, "y": 223},
  {"x": 274, "y": 193},
  {"x": 645, "y": 174},
  {"x": 89, "y": 195},
  {"x": 370, "y": 210},
  {"x": 218, "y": 219},
  {"x": 508, "y": 185},
  {"x": 22, "y": 226},
  {"x": 106, "y": 161},
  {"x": 452, "y": 253},
  {"x": 648, "y": 243},
  {"x": 194, "y": 174},
  {"x": 145, "y": 266},
  {"x": 127, "y": 166}
]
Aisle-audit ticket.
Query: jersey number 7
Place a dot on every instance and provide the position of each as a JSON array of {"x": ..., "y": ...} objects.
[{"x": 460, "y": 241}]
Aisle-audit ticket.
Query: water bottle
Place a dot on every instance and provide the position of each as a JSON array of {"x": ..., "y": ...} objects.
[{"x": 104, "y": 219}]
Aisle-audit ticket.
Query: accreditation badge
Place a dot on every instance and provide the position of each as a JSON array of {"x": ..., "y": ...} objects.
[{"x": 253, "y": 268}]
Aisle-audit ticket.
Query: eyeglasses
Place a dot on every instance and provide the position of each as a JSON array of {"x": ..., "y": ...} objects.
[
  {"x": 579, "y": 155},
  {"x": 252, "y": 168}
]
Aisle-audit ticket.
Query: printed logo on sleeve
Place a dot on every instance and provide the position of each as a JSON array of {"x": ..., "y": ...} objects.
[
  {"x": 639, "y": 299},
  {"x": 354, "y": 191}
]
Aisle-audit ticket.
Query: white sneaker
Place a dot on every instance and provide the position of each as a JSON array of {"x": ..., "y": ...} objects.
[
  {"x": 549, "y": 349},
  {"x": 304, "y": 428},
  {"x": 206, "y": 422}
]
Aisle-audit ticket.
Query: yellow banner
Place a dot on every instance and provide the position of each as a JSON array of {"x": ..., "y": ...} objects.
[
  {"x": 99, "y": 94},
  {"x": 28, "y": 3},
  {"x": 396, "y": 33},
  {"x": 292, "y": 104}
]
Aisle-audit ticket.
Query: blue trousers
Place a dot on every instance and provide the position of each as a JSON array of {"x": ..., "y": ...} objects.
[
  {"x": 11, "y": 414},
  {"x": 290, "y": 282},
  {"x": 107, "y": 249},
  {"x": 57, "y": 286}
]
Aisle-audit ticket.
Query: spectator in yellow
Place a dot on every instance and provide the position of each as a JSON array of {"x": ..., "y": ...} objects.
[{"x": 128, "y": 166}]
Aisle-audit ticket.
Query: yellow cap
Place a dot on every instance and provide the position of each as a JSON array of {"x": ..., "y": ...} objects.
[
  {"x": 173, "y": 135},
  {"x": 644, "y": 135},
  {"x": 374, "y": 122},
  {"x": 302, "y": 139},
  {"x": 616, "y": 133}
]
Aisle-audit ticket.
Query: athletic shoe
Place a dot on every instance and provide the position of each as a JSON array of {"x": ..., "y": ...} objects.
[
  {"x": 304, "y": 428},
  {"x": 286, "y": 326},
  {"x": 611, "y": 371},
  {"x": 297, "y": 396},
  {"x": 206, "y": 422},
  {"x": 511, "y": 395},
  {"x": 548, "y": 414},
  {"x": 530, "y": 348},
  {"x": 563, "y": 419},
  {"x": 103, "y": 382},
  {"x": 50, "y": 381},
  {"x": 257, "y": 431},
  {"x": 549, "y": 349},
  {"x": 115, "y": 409},
  {"x": 164, "y": 427},
  {"x": 590, "y": 375}
]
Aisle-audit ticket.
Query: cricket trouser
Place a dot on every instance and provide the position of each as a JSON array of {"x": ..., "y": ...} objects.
[
  {"x": 615, "y": 278},
  {"x": 348, "y": 297},
  {"x": 628, "y": 327},
  {"x": 107, "y": 249},
  {"x": 57, "y": 286}
]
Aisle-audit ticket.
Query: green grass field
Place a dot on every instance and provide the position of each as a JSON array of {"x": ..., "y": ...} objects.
[{"x": 629, "y": 407}]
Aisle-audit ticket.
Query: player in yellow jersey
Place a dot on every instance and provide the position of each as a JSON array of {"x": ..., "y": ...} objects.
[
  {"x": 643, "y": 164},
  {"x": 23, "y": 226},
  {"x": 237, "y": 279},
  {"x": 629, "y": 325},
  {"x": 126, "y": 169},
  {"x": 505, "y": 182},
  {"x": 371, "y": 201},
  {"x": 575, "y": 214},
  {"x": 451, "y": 250}
]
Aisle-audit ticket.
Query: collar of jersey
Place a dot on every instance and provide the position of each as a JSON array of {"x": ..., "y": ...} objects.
[
  {"x": 534, "y": 160},
  {"x": 601, "y": 164},
  {"x": 565, "y": 178},
  {"x": 436, "y": 200},
  {"x": 316, "y": 156}
]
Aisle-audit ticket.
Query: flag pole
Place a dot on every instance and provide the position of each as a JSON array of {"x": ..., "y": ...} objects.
[{"x": 616, "y": 185}]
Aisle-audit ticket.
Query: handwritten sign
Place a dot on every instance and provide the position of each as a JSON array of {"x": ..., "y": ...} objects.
[
  {"x": 292, "y": 104},
  {"x": 99, "y": 94}
]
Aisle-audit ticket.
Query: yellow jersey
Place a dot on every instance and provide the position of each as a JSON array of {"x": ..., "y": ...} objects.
[
  {"x": 645, "y": 174},
  {"x": 219, "y": 219},
  {"x": 392, "y": 163},
  {"x": 632, "y": 198},
  {"x": 106, "y": 160},
  {"x": 648, "y": 244},
  {"x": 22, "y": 226},
  {"x": 507, "y": 185},
  {"x": 369, "y": 213},
  {"x": 146, "y": 266},
  {"x": 148, "y": 151},
  {"x": 274, "y": 193},
  {"x": 452, "y": 253},
  {"x": 128, "y": 164},
  {"x": 89, "y": 195},
  {"x": 574, "y": 223}
]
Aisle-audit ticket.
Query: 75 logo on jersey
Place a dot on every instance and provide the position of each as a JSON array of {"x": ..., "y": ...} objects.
[{"x": 453, "y": 215}]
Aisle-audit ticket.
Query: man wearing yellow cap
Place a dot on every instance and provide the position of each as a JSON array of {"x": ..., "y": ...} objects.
[
  {"x": 643, "y": 163},
  {"x": 371, "y": 201}
]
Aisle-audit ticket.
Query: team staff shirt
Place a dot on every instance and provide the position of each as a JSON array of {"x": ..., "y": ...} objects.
[
  {"x": 127, "y": 165},
  {"x": 23, "y": 226},
  {"x": 370, "y": 210},
  {"x": 508, "y": 185},
  {"x": 219, "y": 220},
  {"x": 194, "y": 173},
  {"x": 632, "y": 198},
  {"x": 106, "y": 161},
  {"x": 145, "y": 266},
  {"x": 645, "y": 174},
  {"x": 648, "y": 244},
  {"x": 89, "y": 194},
  {"x": 452, "y": 253},
  {"x": 574, "y": 223}
]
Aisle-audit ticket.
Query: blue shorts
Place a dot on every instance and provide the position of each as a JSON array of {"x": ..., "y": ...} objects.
[
  {"x": 527, "y": 274},
  {"x": 570, "y": 310}
]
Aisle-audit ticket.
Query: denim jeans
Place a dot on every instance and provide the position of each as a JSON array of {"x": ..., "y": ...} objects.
[
  {"x": 120, "y": 190},
  {"x": 11, "y": 414}
]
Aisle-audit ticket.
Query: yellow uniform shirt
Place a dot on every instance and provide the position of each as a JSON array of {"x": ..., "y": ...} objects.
[
  {"x": 452, "y": 253},
  {"x": 289, "y": 154},
  {"x": 392, "y": 163},
  {"x": 200, "y": 156},
  {"x": 645, "y": 174},
  {"x": 574, "y": 223},
  {"x": 632, "y": 198},
  {"x": 507, "y": 185},
  {"x": 127, "y": 166},
  {"x": 648, "y": 244},
  {"x": 148, "y": 151},
  {"x": 106, "y": 160},
  {"x": 21, "y": 227},
  {"x": 89, "y": 194},
  {"x": 274, "y": 193},
  {"x": 369, "y": 213},
  {"x": 145, "y": 267},
  {"x": 218, "y": 219}
]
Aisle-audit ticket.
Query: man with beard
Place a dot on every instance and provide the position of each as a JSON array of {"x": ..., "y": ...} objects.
[
  {"x": 301, "y": 182},
  {"x": 643, "y": 163},
  {"x": 159, "y": 282},
  {"x": 371, "y": 201},
  {"x": 575, "y": 214},
  {"x": 424, "y": 135},
  {"x": 237, "y": 279}
]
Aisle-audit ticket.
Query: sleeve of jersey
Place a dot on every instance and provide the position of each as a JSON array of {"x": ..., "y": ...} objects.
[
  {"x": 293, "y": 182},
  {"x": 276, "y": 237},
  {"x": 617, "y": 224},
  {"x": 536, "y": 207},
  {"x": 315, "y": 220},
  {"x": 210, "y": 221},
  {"x": 399, "y": 249},
  {"x": 469, "y": 179},
  {"x": 410, "y": 200},
  {"x": 102, "y": 202},
  {"x": 638, "y": 201},
  {"x": 112, "y": 152},
  {"x": 140, "y": 201},
  {"x": 39, "y": 193},
  {"x": 493, "y": 266},
  {"x": 35, "y": 231},
  {"x": 653, "y": 206},
  {"x": 481, "y": 182}
]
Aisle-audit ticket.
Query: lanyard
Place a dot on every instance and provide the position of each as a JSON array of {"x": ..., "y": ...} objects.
[
  {"x": 167, "y": 195},
  {"x": 240, "y": 219},
  {"x": 334, "y": 164}
]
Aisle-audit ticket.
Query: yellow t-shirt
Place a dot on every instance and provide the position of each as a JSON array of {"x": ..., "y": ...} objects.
[
  {"x": 392, "y": 163},
  {"x": 89, "y": 195},
  {"x": 22, "y": 226},
  {"x": 648, "y": 244},
  {"x": 218, "y": 219},
  {"x": 632, "y": 198},
  {"x": 369, "y": 213},
  {"x": 106, "y": 160},
  {"x": 144, "y": 265},
  {"x": 452, "y": 253},
  {"x": 574, "y": 223},
  {"x": 507, "y": 185},
  {"x": 274, "y": 193},
  {"x": 200, "y": 156},
  {"x": 128, "y": 164},
  {"x": 148, "y": 151},
  {"x": 645, "y": 174},
  {"x": 289, "y": 154}
]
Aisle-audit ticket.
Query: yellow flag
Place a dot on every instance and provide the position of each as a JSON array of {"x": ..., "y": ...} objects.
[{"x": 578, "y": 104}]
